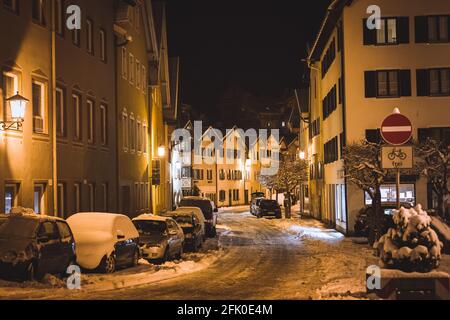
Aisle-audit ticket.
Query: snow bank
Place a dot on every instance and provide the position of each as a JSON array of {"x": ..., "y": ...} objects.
[{"x": 443, "y": 231}]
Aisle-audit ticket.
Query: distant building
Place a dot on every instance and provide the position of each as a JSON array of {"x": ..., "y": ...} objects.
[{"x": 358, "y": 76}]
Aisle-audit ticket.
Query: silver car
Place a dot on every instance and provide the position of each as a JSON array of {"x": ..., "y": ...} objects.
[{"x": 160, "y": 238}]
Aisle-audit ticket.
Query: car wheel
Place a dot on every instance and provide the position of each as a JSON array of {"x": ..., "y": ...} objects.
[
  {"x": 180, "y": 253},
  {"x": 31, "y": 273},
  {"x": 108, "y": 264},
  {"x": 135, "y": 261},
  {"x": 166, "y": 256}
]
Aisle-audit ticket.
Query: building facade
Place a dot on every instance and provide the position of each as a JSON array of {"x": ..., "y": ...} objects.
[
  {"x": 86, "y": 141},
  {"x": 358, "y": 76}
]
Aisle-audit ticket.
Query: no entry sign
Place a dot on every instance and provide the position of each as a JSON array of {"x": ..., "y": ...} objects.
[{"x": 396, "y": 129}]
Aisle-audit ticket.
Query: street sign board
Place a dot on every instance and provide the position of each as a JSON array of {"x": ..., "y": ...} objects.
[
  {"x": 396, "y": 129},
  {"x": 397, "y": 157}
]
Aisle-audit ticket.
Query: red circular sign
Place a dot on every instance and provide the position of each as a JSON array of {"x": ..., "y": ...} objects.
[{"x": 396, "y": 129}]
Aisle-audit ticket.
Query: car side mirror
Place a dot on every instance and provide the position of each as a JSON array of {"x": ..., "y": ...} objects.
[{"x": 120, "y": 235}]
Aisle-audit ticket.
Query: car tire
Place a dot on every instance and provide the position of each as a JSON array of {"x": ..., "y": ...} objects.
[
  {"x": 135, "y": 259},
  {"x": 180, "y": 253},
  {"x": 31, "y": 272},
  {"x": 108, "y": 264},
  {"x": 166, "y": 256}
]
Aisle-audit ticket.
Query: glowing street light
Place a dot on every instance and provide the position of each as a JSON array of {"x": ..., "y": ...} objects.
[
  {"x": 17, "y": 105},
  {"x": 302, "y": 155},
  {"x": 161, "y": 151}
]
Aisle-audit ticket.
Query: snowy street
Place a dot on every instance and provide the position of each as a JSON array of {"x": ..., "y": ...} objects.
[{"x": 252, "y": 259}]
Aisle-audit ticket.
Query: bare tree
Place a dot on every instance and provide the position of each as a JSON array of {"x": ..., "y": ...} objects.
[
  {"x": 434, "y": 164},
  {"x": 290, "y": 175},
  {"x": 363, "y": 168}
]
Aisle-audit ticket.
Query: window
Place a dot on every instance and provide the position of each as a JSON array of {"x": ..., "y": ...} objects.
[
  {"x": 144, "y": 79},
  {"x": 437, "y": 134},
  {"x": 131, "y": 69},
  {"x": 222, "y": 196},
  {"x": 11, "y": 5},
  {"x": 393, "y": 31},
  {"x": 90, "y": 36},
  {"x": 39, "y": 198},
  {"x": 387, "y": 83},
  {"x": 61, "y": 200},
  {"x": 132, "y": 130},
  {"x": 103, "y": 45},
  {"x": 125, "y": 137},
  {"x": 91, "y": 197},
  {"x": 138, "y": 74},
  {"x": 77, "y": 197},
  {"x": 433, "y": 82},
  {"x": 331, "y": 151},
  {"x": 59, "y": 17},
  {"x": 39, "y": 106},
  {"x": 76, "y": 105},
  {"x": 104, "y": 191},
  {"x": 144, "y": 138},
  {"x": 432, "y": 29},
  {"x": 389, "y": 194},
  {"x": 60, "y": 112},
  {"x": 10, "y": 88},
  {"x": 38, "y": 11},
  {"x": 11, "y": 196},
  {"x": 124, "y": 63},
  {"x": 104, "y": 125},
  {"x": 329, "y": 57},
  {"x": 91, "y": 121},
  {"x": 329, "y": 103},
  {"x": 138, "y": 136},
  {"x": 374, "y": 136}
]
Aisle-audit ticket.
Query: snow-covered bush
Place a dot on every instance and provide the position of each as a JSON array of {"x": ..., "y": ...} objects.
[{"x": 412, "y": 245}]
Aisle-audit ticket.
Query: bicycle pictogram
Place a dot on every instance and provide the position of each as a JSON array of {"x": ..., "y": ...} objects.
[{"x": 397, "y": 153}]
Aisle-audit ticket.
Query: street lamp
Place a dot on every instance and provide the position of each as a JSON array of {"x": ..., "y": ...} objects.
[
  {"x": 161, "y": 151},
  {"x": 17, "y": 106},
  {"x": 302, "y": 155}
]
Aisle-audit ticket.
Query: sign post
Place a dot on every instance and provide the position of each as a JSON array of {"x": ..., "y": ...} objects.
[{"x": 397, "y": 130}]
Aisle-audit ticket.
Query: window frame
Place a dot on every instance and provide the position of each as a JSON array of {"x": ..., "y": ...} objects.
[
  {"x": 90, "y": 36},
  {"x": 103, "y": 45},
  {"x": 90, "y": 113},
  {"x": 104, "y": 125},
  {"x": 62, "y": 109},
  {"x": 43, "y": 116}
]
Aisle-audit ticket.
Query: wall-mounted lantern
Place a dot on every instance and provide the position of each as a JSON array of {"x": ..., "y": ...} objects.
[{"x": 17, "y": 105}]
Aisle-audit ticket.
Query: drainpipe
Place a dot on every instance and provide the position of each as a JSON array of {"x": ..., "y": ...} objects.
[{"x": 53, "y": 104}]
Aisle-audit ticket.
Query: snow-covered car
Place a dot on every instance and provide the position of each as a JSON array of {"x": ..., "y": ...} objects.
[
  {"x": 105, "y": 241},
  {"x": 209, "y": 211},
  {"x": 193, "y": 229},
  {"x": 254, "y": 205},
  {"x": 161, "y": 238},
  {"x": 32, "y": 246},
  {"x": 199, "y": 214}
]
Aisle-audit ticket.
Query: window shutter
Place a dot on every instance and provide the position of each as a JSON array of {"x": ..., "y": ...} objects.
[
  {"x": 403, "y": 29},
  {"x": 369, "y": 36},
  {"x": 423, "y": 83},
  {"x": 370, "y": 79},
  {"x": 405, "y": 83},
  {"x": 421, "y": 25}
]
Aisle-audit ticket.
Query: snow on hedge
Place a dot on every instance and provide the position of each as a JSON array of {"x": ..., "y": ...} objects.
[{"x": 412, "y": 245}]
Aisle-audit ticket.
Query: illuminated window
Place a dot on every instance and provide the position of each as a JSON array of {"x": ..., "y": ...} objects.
[
  {"x": 39, "y": 106},
  {"x": 39, "y": 198},
  {"x": 11, "y": 196}
]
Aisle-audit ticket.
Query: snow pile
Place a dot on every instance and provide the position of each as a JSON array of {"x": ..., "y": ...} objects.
[{"x": 413, "y": 245}]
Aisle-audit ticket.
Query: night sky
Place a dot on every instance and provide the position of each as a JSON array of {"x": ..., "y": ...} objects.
[{"x": 254, "y": 45}]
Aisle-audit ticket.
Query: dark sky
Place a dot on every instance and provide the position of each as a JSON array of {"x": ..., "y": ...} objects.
[{"x": 255, "y": 45}]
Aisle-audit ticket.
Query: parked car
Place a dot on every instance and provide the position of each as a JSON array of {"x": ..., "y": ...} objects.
[
  {"x": 361, "y": 224},
  {"x": 199, "y": 214},
  {"x": 268, "y": 208},
  {"x": 209, "y": 211},
  {"x": 32, "y": 246},
  {"x": 161, "y": 238},
  {"x": 105, "y": 241},
  {"x": 193, "y": 229},
  {"x": 254, "y": 205}
]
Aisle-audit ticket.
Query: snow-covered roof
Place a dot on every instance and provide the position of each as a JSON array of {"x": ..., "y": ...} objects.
[{"x": 195, "y": 198}]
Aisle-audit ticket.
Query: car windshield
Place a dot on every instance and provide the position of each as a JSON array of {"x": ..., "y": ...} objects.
[
  {"x": 269, "y": 204},
  {"x": 184, "y": 220},
  {"x": 150, "y": 228},
  {"x": 18, "y": 228}
]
